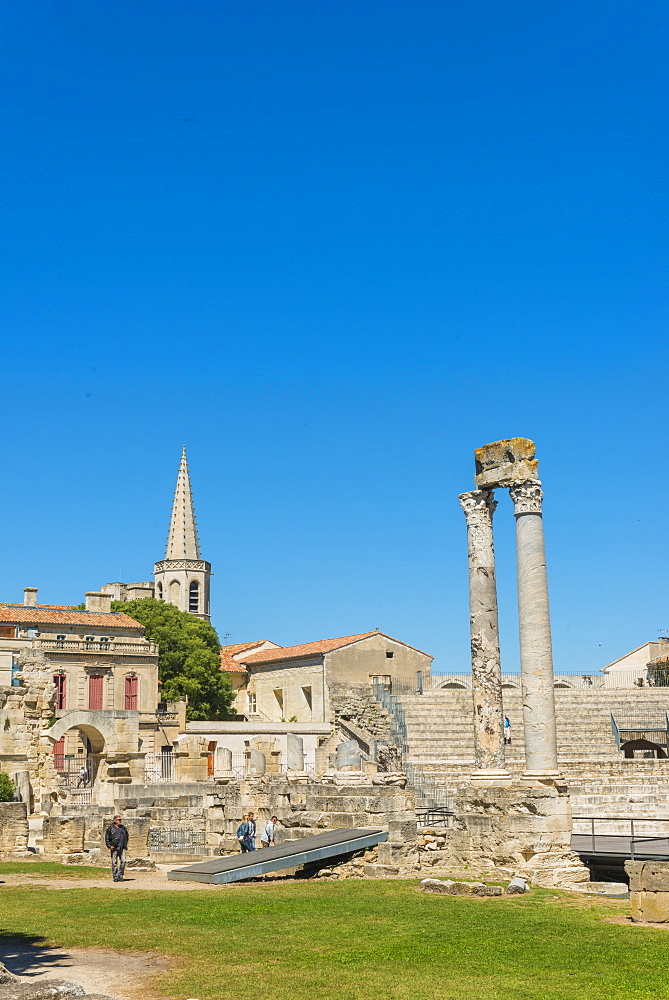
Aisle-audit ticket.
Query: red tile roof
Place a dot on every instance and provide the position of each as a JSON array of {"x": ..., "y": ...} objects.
[
  {"x": 237, "y": 647},
  {"x": 47, "y": 614},
  {"x": 230, "y": 666},
  {"x": 228, "y": 662},
  {"x": 312, "y": 648}
]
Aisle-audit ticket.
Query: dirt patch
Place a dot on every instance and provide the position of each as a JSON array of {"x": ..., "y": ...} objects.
[{"x": 122, "y": 975}]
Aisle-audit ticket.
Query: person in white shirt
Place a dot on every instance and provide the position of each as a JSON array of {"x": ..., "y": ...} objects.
[{"x": 267, "y": 839}]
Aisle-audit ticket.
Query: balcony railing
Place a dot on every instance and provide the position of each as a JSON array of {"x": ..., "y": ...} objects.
[{"x": 111, "y": 647}]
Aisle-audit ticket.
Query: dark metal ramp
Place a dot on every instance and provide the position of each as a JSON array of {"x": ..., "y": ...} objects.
[{"x": 291, "y": 854}]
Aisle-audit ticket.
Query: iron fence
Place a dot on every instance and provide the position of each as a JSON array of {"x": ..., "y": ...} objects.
[
  {"x": 422, "y": 683},
  {"x": 177, "y": 840},
  {"x": 630, "y": 843},
  {"x": 653, "y": 727},
  {"x": 159, "y": 767},
  {"x": 430, "y": 794},
  {"x": 75, "y": 772}
]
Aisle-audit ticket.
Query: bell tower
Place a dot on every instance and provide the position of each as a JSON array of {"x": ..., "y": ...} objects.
[{"x": 182, "y": 578}]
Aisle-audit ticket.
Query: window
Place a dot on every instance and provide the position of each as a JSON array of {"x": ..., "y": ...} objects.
[
  {"x": 95, "y": 692},
  {"x": 60, "y": 682},
  {"x": 194, "y": 597},
  {"x": 278, "y": 694},
  {"x": 104, "y": 642},
  {"x": 7, "y": 631},
  {"x": 252, "y": 704},
  {"x": 130, "y": 700},
  {"x": 90, "y": 641},
  {"x": 15, "y": 670},
  {"x": 60, "y": 641},
  {"x": 306, "y": 691},
  {"x": 389, "y": 655},
  {"x": 160, "y": 591},
  {"x": 175, "y": 592}
]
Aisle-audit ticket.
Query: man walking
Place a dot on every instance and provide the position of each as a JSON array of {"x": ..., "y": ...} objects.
[
  {"x": 246, "y": 834},
  {"x": 116, "y": 839},
  {"x": 267, "y": 839}
]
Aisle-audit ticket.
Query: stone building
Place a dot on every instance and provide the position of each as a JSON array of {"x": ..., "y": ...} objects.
[
  {"x": 314, "y": 681},
  {"x": 182, "y": 578}
]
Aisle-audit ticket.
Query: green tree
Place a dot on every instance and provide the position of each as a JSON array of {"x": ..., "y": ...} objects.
[
  {"x": 7, "y": 790},
  {"x": 189, "y": 663}
]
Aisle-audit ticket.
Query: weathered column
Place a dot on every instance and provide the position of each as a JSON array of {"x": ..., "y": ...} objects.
[
  {"x": 536, "y": 658},
  {"x": 486, "y": 671},
  {"x": 256, "y": 763},
  {"x": 223, "y": 761},
  {"x": 294, "y": 752}
]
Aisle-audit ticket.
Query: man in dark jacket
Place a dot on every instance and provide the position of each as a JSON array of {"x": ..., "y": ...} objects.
[{"x": 116, "y": 839}]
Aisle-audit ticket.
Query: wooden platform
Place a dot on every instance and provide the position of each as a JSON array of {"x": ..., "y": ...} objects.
[{"x": 291, "y": 854}]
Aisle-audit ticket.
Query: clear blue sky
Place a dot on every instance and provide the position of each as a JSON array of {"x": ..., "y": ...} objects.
[{"x": 332, "y": 248}]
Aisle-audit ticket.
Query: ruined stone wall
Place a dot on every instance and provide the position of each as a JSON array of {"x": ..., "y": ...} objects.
[
  {"x": 13, "y": 828},
  {"x": 304, "y": 807},
  {"x": 25, "y": 711},
  {"x": 518, "y": 826},
  {"x": 354, "y": 702}
]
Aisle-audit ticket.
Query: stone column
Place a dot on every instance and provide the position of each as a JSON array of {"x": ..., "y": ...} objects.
[
  {"x": 536, "y": 658},
  {"x": 294, "y": 752},
  {"x": 223, "y": 762},
  {"x": 256, "y": 763},
  {"x": 486, "y": 670}
]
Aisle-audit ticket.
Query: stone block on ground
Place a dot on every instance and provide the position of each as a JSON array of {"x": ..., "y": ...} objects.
[
  {"x": 140, "y": 865},
  {"x": 450, "y": 888},
  {"x": 517, "y": 886}
]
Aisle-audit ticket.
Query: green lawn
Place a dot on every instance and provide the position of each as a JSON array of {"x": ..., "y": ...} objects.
[
  {"x": 358, "y": 940},
  {"x": 51, "y": 869}
]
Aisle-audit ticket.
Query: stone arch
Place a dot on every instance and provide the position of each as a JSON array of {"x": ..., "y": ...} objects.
[
  {"x": 174, "y": 592},
  {"x": 647, "y": 746},
  {"x": 99, "y": 731}
]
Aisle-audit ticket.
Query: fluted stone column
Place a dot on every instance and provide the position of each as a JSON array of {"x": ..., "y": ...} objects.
[
  {"x": 536, "y": 658},
  {"x": 486, "y": 670}
]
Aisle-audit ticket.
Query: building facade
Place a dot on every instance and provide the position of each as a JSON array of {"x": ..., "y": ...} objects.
[{"x": 310, "y": 682}]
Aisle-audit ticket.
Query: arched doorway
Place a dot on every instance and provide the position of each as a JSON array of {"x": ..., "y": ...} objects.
[{"x": 78, "y": 747}]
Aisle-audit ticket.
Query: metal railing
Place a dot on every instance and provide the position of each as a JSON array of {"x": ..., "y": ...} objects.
[
  {"x": 75, "y": 772},
  {"x": 430, "y": 795},
  {"x": 176, "y": 841},
  {"x": 630, "y": 842},
  {"x": 652, "y": 727},
  {"x": 422, "y": 683},
  {"x": 159, "y": 767},
  {"x": 433, "y": 817}
]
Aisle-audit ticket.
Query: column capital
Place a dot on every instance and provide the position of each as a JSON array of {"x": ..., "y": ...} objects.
[
  {"x": 527, "y": 496},
  {"x": 478, "y": 506}
]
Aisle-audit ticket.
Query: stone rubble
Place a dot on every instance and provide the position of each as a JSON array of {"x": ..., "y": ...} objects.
[{"x": 451, "y": 888}]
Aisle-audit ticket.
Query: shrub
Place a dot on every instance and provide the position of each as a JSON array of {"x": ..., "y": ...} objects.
[{"x": 7, "y": 789}]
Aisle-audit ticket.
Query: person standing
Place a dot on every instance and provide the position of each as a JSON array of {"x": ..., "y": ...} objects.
[
  {"x": 507, "y": 731},
  {"x": 116, "y": 839},
  {"x": 267, "y": 839},
  {"x": 83, "y": 777},
  {"x": 246, "y": 834}
]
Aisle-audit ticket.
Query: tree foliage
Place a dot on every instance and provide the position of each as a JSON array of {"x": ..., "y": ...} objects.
[
  {"x": 189, "y": 664},
  {"x": 7, "y": 790}
]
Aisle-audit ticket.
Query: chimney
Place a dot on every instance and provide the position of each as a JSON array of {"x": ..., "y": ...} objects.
[
  {"x": 97, "y": 601},
  {"x": 30, "y": 596}
]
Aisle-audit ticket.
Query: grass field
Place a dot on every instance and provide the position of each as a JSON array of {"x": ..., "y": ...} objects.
[
  {"x": 357, "y": 940},
  {"x": 40, "y": 869}
]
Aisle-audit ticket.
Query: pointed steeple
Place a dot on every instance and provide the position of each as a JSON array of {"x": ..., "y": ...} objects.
[{"x": 182, "y": 540}]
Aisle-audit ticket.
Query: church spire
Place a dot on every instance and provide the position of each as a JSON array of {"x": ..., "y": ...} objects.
[{"x": 182, "y": 540}]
